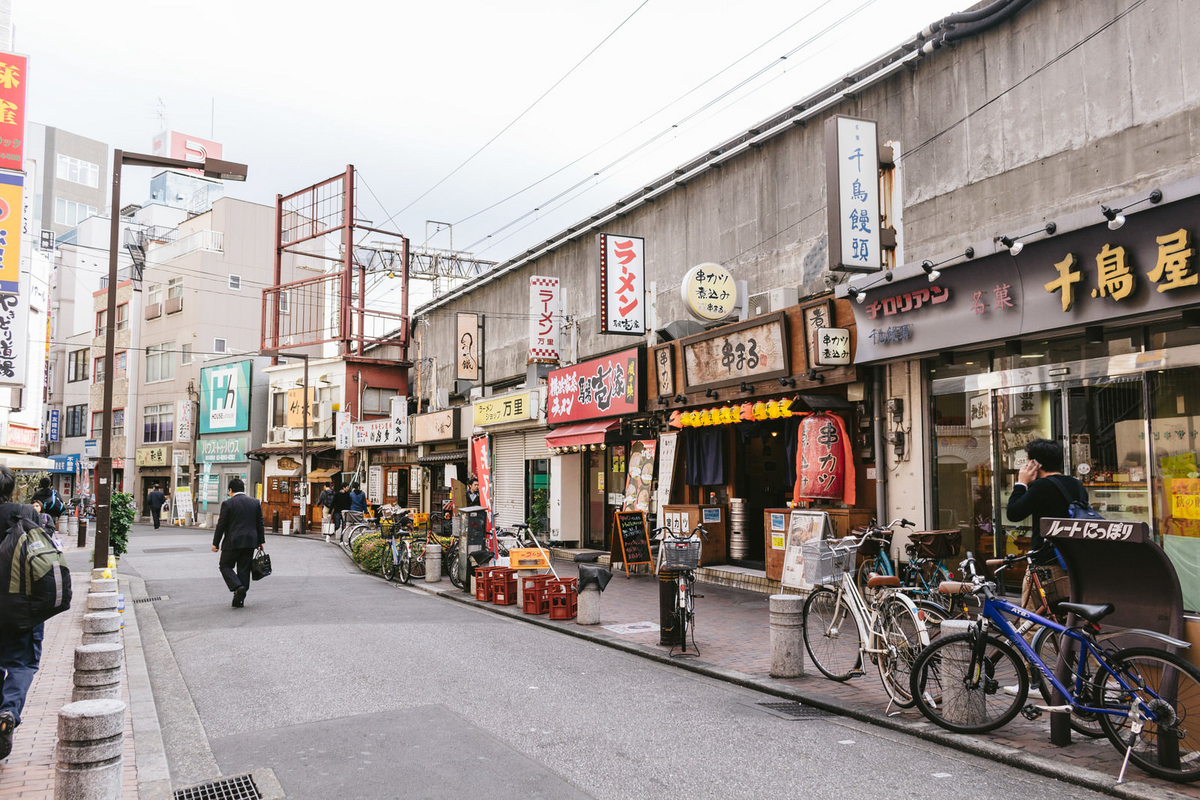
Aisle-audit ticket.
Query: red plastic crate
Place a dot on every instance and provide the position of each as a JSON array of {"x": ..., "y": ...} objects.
[
  {"x": 564, "y": 598},
  {"x": 484, "y": 590},
  {"x": 504, "y": 586},
  {"x": 536, "y": 591}
]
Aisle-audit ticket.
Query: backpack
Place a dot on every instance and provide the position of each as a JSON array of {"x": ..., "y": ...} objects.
[
  {"x": 35, "y": 583},
  {"x": 1077, "y": 509},
  {"x": 54, "y": 505}
]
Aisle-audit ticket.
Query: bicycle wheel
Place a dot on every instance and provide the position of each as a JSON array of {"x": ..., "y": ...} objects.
[
  {"x": 932, "y": 614},
  {"x": 682, "y": 617},
  {"x": 455, "y": 573},
  {"x": 864, "y": 572},
  {"x": 1166, "y": 686},
  {"x": 405, "y": 564},
  {"x": 387, "y": 561},
  {"x": 903, "y": 636},
  {"x": 831, "y": 635},
  {"x": 353, "y": 533},
  {"x": 953, "y": 693},
  {"x": 417, "y": 567},
  {"x": 1046, "y": 644}
]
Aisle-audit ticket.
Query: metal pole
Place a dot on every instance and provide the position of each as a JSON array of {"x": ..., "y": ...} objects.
[
  {"x": 881, "y": 471},
  {"x": 304, "y": 455},
  {"x": 104, "y": 469}
]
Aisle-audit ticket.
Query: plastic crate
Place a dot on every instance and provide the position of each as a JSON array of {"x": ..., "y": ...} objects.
[
  {"x": 504, "y": 586},
  {"x": 564, "y": 598},
  {"x": 535, "y": 590},
  {"x": 827, "y": 560},
  {"x": 680, "y": 553}
]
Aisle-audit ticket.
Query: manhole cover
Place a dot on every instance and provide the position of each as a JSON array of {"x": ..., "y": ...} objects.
[
  {"x": 795, "y": 710},
  {"x": 151, "y": 599},
  {"x": 168, "y": 550},
  {"x": 240, "y": 787}
]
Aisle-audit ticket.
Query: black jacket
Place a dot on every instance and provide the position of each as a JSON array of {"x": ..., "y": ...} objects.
[
  {"x": 43, "y": 496},
  {"x": 1044, "y": 498},
  {"x": 156, "y": 499},
  {"x": 341, "y": 501},
  {"x": 240, "y": 524}
]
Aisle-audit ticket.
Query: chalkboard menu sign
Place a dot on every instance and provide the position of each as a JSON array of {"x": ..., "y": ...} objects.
[{"x": 631, "y": 540}]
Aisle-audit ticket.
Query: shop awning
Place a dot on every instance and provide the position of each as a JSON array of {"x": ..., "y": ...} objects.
[
  {"x": 444, "y": 457},
  {"x": 24, "y": 461},
  {"x": 323, "y": 474},
  {"x": 581, "y": 433}
]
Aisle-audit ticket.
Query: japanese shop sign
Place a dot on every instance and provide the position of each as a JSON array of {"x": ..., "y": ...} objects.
[
  {"x": 225, "y": 399},
  {"x": 372, "y": 433},
  {"x": 709, "y": 292},
  {"x": 466, "y": 363},
  {"x": 816, "y": 317},
  {"x": 664, "y": 369},
  {"x": 12, "y": 111},
  {"x": 14, "y": 338},
  {"x": 184, "y": 426},
  {"x": 1097, "y": 530},
  {"x": 399, "y": 409},
  {"x": 481, "y": 463},
  {"x": 1090, "y": 276},
  {"x": 52, "y": 428},
  {"x": 295, "y": 407},
  {"x": 602, "y": 387},
  {"x": 833, "y": 347},
  {"x": 341, "y": 425},
  {"x": 852, "y": 186},
  {"x": 439, "y": 426},
  {"x": 544, "y": 306},
  {"x": 173, "y": 144},
  {"x": 512, "y": 408},
  {"x": 221, "y": 451},
  {"x": 754, "y": 350},
  {"x": 826, "y": 460},
  {"x": 622, "y": 284},
  {"x": 23, "y": 436},
  {"x": 11, "y": 204},
  {"x": 151, "y": 456}
]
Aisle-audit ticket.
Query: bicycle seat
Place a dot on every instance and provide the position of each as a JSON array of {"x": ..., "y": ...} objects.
[
  {"x": 875, "y": 581},
  {"x": 521, "y": 526},
  {"x": 1092, "y": 612}
]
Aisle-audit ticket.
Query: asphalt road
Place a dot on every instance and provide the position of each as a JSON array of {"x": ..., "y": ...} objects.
[{"x": 350, "y": 687}]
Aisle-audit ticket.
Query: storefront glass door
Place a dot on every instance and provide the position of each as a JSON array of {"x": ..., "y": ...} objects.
[
  {"x": 1173, "y": 442},
  {"x": 597, "y": 483}
]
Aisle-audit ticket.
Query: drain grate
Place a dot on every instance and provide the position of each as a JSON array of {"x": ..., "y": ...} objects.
[
  {"x": 152, "y": 599},
  {"x": 796, "y": 710},
  {"x": 169, "y": 550},
  {"x": 240, "y": 787}
]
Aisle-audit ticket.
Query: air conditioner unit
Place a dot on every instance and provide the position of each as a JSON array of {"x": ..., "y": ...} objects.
[
  {"x": 773, "y": 300},
  {"x": 277, "y": 436},
  {"x": 295, "y": 434}
]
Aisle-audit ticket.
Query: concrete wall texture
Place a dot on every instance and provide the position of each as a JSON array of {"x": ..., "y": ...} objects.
[{"x": 1070, "y": 104}]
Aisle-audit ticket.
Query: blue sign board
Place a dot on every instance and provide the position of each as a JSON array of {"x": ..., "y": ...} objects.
[
  {"x": 53, "y": 425},
  {"x": 67, "y": 464}
]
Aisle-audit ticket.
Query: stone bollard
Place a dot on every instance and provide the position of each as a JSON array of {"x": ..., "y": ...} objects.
[
  {"x": 787, "y": 635},
  {"x": 98, "y": 671},
  {"x": 91, "y": 743},
  {"x": 433, "y": 563},
  {"x": 103, "y": 585},
  {"x": 102, "y": 601},
  {"x": 102, "y": 572},
  {"x": 589, "y": 605},
  {"x": 522, "y": 574},
  {"x": 102, "y": 627}
]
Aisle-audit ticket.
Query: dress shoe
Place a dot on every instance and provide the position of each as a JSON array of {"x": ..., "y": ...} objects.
[
  {"x": 239, "y": 597},
  {"x": 7, "y": 723}
]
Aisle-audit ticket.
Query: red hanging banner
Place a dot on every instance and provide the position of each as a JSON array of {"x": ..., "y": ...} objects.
[
  {"x": 824, "y": 461},
  {"x": 481, "y": 463}
]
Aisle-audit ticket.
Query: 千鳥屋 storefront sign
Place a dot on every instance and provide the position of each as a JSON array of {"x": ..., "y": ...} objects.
[
  {"x": 221, "y": 451},
  {"x": 754, "y": 350},
  {"x": 622, "y": 284},
  {"x": 510, "y": 408},
  {"x": 852, "y": 188},
  {"x": 603, "y": 387},
  {"x": 709, "y": 292}
]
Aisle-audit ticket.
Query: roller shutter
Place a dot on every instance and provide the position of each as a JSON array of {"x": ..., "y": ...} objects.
[{"x": 508, "y": 478}]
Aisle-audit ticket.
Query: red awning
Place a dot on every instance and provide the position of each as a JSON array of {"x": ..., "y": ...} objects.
[{"x": 581, "y": 433}]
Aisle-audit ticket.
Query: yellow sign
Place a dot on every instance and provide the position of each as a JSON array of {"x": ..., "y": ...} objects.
[
  {"x": 511, "y": 408},
  {"x": 11, "y": 205},
  {"x": 295, "y": 406},
  {"x": 709, "y": 292},
  {"x": 1185, "y": 498},
  {"x": 151, "y": 457},
  {"x": 527, "y": 558}
]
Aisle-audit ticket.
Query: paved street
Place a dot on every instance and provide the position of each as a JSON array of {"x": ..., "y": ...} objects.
[{"x": 346, "y": 686}]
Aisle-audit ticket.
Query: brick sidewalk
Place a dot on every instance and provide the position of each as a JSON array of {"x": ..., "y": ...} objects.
[{"x": 29, "y": 770}]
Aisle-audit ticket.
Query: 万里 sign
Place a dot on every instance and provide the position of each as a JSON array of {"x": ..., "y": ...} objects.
[
  {"x": 749, "y": 351},
  {"x": 510, "y": 408}
]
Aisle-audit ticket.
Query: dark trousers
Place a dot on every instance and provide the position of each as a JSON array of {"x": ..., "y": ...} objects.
[
  {"x": 20, "y": 654},
  {"x": 240, "y": 558},
  {"x": 156, "y": 515}
]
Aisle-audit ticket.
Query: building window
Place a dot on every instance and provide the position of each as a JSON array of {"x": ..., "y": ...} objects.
[
  {"x": 123, "y": 317},
  {"x": 77, "y": 171},
  {"x": 154, "y": 294},
  {"x": 118, "y": 423},
  {"x": 158, "y": 423},
  {"x": 235, "y": 282},
  {"x": 68, "y": 212},
  {"x": 378, "y": 401},
  {"x": 119, "y": 366},
  {"x": 279, "y": 409},
  {"x": 174, "y": 288},
  {"x": 101, "y": 322},
  {"x": 159, "y": 364},
  {"x": 285, "y": 302},
  {"x": 98, "y": 371},
  {"x": 77, "y": 420},
  {"x": 218, "y": 345},
  {"x": 79, "y": 366},
  {"x": 185, "y": 353}
]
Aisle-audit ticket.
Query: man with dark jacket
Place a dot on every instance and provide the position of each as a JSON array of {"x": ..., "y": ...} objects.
[
  {"x": 241, "y": 527},
  {"x": 20, "y": 651},
  {"x": 341, "y": 504},
  {"x": 155, "y": 500},
  {"x": 43, "y": 495}
]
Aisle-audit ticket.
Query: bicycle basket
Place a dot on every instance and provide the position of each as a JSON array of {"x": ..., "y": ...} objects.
[
  {"x": 390, "y": 529},
  {"x": 681, "y": 553},
  {"x": 826, "y": 560},
  {"x": 871, "y": 547},
  {"x": 937, "y": 544}
]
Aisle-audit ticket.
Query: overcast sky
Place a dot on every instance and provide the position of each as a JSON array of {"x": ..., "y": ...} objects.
[{"x": 408, "y": 92}]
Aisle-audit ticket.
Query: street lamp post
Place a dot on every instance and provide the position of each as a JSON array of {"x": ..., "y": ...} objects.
[
  {"x": 304, "y": 437},
  {"x": 213, "y": 168}
]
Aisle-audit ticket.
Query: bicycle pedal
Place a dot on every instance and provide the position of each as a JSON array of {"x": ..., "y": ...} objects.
[
  {"x": 1031, "y": 712},
  {"x": 857, "y": 673},
  {"x": 698, "y": 596}
]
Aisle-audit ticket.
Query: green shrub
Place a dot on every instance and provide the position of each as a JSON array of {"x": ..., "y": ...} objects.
[
  {"x": 367, "y": 550},
  {"x": 120, "y": 521}
]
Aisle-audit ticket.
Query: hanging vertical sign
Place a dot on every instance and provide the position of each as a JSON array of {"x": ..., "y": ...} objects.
[
  {"x": 12, "y": 111},
  {"x": 52, "y": 432},
  {"x": 481, "y": 461},
  {"x": 466, "y": 364},
  {"x": 622, "y": 284},
  {"x": 852, "y": 188},
  {"x": 399, "y": 417},
  {"x": 344, "y": 429},
  {"x": 14, "y": 338},
  {"x": 11, "y": 213},
  {"x": 184, "y": 428},
  {"x": 824, "y": 460},
  {"x": 543, "y": 320}
]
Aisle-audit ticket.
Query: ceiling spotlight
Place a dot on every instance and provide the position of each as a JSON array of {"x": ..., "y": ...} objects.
[
  {"x": 815, "y": 376},
  {"x": 788, "y": 382},
  {"x": 930, "y": 271},
  {"x": 1014, "y": 245},
  {"x": 680, "y": 398},
  {"x": 857, "y": 295},
  {"x": 1115, "y": 218}
]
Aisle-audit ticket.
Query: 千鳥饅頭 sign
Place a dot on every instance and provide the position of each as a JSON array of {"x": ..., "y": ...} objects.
[{"x": 852, "y": 186}]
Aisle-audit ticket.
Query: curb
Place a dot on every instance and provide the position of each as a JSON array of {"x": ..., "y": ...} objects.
[
  {"x": 927, "y": 731},
  {"x": 153, "y": 774}
]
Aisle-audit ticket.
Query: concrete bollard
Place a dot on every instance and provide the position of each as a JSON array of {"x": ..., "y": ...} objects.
[
  {"x": 102, "y": 572},
  {"x": 91, "y": 743},
  {"x": 589, "y": 605},
  {"x": 102, "y": 627},
  {"x": 103, "y": 585},
  {"x": 82, "y": 542},
  {"x": 102, "y": 601},
  {"x": 98, "y": 671},
  {"x": 433, "y": 563},
  {"x": 787, "y": 635},
  {"x": 521, "y": 575}
]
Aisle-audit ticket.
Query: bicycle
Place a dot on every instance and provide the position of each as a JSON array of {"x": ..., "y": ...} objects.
[
  {"x": 397, "y": 558},
  {"x": 874, "y": 549},
  {"x": 354, "y": 524},
  {"x": 841, "y": 630},
  {"x": 680, "y": 553},
  {"x": 977, "y": 681},
  {"x": 450, "y": 558}
]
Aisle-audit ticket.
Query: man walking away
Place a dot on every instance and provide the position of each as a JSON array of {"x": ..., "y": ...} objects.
[
  {"x": 241, "y": 527},
  {"x": 52, "y": 504},
  {"x": 325, "y": 501},
  {"x": 341, "y": 504},
  {"x": 20, "y": 650},
  {"x": 155, "y": 500}
]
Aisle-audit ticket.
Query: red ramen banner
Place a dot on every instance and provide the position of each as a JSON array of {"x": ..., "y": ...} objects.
[
  {"x": 481, "y": 461},
  {"x": 603, "y": 387},
  {"x": 824, "y": 460}
]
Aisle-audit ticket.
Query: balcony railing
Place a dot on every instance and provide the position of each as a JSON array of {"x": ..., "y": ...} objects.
[{"x": 208, "y": 241}]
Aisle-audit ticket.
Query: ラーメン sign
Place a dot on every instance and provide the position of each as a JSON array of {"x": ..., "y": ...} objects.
[
  {"x": 709, "y": 292},
  {"x": 622, "y": 284}
]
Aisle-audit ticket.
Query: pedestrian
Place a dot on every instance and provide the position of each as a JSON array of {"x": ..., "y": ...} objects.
[
  {"x": 51, "y": 503},
  {"x": 1042, "y": 490},
  {"x": 325, "y": 501},
  {"x": 472, "y": 491},
  {"x": 156, "y": 500},
  {"x": 20, "y": 651},
  {"x": 358, "y": 499},
  {"x": 241, "y": 527},
  {"x": 341, "y": 504}
]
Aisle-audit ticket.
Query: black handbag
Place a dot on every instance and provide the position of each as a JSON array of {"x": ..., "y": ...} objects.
[{"x": 260, "y": 565}]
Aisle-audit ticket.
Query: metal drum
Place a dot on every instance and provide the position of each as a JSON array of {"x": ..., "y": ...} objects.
[{"x": 737, "y": 528}]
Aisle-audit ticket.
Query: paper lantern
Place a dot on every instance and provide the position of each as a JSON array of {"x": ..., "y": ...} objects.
[
  {"x": 785, "y": 407},
  {"x": 824, "y": 460},
  {"x": 747, "y": 412},
  {"x": 773, "y": 410},
  {"x": 760, "y": 410},
  {"x": 726, "y": 415},
  {"x": 675, "y": 420}
]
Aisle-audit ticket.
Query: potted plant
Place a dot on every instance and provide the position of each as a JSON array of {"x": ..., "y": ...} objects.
[{"x": 120, "y": 521}]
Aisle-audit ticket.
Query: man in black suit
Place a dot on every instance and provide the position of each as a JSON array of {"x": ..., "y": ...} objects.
[{"x": 241, "y": 526}]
